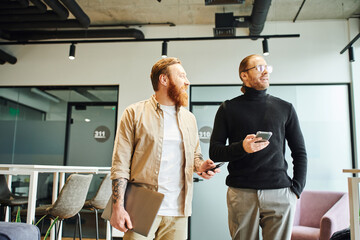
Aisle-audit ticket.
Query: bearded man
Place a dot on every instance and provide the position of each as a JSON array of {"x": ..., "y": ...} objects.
[{"x": 157, "y": 147}]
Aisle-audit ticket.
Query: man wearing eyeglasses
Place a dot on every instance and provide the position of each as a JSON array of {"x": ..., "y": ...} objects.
[{"x": 260, "y": 193}]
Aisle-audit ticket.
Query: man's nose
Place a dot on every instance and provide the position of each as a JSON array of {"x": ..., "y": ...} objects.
[{"x": 187, "y": 82}]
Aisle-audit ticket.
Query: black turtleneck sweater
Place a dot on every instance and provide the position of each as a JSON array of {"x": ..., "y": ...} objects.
[{"x": 266, "y": 169}]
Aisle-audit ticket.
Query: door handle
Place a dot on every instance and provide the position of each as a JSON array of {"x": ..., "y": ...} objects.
[{"x": 196, "y": 179}]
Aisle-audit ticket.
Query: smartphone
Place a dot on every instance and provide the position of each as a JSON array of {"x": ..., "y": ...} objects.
[
  {"x": 264, "y": 135},
  {"x": 217, "y": 166}
]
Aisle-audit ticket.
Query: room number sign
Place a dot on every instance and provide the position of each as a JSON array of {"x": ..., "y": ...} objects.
[{"x": 102, "y": 134}]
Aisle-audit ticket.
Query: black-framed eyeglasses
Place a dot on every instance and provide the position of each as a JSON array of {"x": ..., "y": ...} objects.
[{"x": 261, "y": 68}]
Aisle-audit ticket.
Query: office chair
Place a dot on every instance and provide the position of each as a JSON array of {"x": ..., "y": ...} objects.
[
  {"x": 100, "y": 200},
  {"x": 7, "y": 198},
  {"x": 69, "y": 202}
]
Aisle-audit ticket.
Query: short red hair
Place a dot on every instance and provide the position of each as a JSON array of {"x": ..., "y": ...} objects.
[{"x": 161, "y": 67}]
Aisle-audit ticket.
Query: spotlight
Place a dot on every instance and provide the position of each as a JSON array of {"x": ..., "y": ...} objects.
[
  {"x": 72, "y": 52},
  {"x": 265, "y": 47},
  {"x": 351, "y": 54},
  {"x": 164, "y": 49}
]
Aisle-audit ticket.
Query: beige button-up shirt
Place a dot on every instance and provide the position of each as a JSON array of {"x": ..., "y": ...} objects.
[{"x": 139, "y": 141}]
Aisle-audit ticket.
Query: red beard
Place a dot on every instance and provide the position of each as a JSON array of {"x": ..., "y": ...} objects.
[{"x": 177, "y": 94}]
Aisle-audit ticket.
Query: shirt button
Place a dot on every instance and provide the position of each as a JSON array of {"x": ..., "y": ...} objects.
[{"x": 156, "y": 172}]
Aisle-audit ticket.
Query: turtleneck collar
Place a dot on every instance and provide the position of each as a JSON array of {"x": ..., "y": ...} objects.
[{"x": 253, "y": 93}]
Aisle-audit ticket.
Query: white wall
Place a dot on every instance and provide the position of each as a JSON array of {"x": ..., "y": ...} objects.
[{"x": 314, "y": 57}]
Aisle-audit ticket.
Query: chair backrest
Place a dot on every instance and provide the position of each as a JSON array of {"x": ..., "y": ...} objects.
[
  {"x": 313, "y": 206},
  {"x": 72, "y": 196},
  {"x": 103, "y": 193},
  {"x": 4, "y": 189}
]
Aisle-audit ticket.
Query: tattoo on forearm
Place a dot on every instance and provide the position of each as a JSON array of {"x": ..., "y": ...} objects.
[
  {"x": 197, "y": 163},
  {"x": 118, "y": 189}
]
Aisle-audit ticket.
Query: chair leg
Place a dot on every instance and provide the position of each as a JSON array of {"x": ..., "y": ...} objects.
[
  {"x": 97, "y": 223},
  {"x": 8, "y": 215},
  {"x": 55, "y": 226},
  {"x": 42, "y": 226},
  {"x": 2, "y": 213},
  {"x": 80, "y": 233},
  {"x": 76, "y": 224},
  {"x": 57, "y": 229}
]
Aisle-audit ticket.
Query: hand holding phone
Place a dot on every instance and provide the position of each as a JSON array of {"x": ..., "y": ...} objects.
[
  {"x": 217, "y": 166},
  {"x": 264, "y": 135}
]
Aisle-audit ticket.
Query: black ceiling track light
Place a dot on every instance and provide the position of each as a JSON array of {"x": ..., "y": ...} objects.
[
  {"x": 149, "y": 39},
  {"x": 64, "y": 21},
  {"x": 265, "y": 47},
  {"x": 72, "y": 51},
  {"x": 164, "y": 49},
  {"x": 350, "y": 49},
  {"x": 163, "y": 40},
  {"x": 351, "y": 54}
]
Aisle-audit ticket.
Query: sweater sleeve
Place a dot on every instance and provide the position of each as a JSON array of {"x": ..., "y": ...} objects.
[
  {"x": 219, "y": 151},
  {"x": 296, "y": 144}
]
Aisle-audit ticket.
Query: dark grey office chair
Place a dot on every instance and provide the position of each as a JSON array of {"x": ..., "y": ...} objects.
[
  {"x": 100, "y": 200},
  {"x": 69, "y": 202},
  {"x": 7, "y": 198}
]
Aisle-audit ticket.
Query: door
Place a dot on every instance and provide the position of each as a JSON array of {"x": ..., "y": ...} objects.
[
  {"x": 90, "y": 134},
  {"x": 209, "y": 216}
]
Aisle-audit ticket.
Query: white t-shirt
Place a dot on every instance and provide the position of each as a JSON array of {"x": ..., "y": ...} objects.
[{"x": 171, "y": 175}]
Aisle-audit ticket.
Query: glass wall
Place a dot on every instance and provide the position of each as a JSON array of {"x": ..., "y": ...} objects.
[
  {"x": 324, "y": 115},
  {"x": 34, "y": 121},
  {"x": 72, "y": 126}
]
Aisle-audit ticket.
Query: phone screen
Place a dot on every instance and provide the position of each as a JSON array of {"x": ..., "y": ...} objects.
[{"x": 264, "y": 135}]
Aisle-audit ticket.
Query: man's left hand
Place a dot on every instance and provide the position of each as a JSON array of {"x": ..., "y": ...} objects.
[{"x": 205, "y": 169}]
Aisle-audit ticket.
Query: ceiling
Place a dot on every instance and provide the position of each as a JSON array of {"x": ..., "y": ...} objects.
[
  {"x": 24, "y": 21},
  {"x": 195, "y": 12},
  {"x": 34, "y": 15}
]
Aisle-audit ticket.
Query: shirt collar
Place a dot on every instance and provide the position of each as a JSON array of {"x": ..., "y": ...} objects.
[
  {"x": 157, "y": 106},
  {"x": 155, "y": 103}
]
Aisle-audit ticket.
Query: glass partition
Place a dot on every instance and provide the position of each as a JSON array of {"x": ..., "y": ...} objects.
[
  {"x": 324, "y": 115},
  {"x": 72, "y": 125},
  {"x": 33, "y": 121}
]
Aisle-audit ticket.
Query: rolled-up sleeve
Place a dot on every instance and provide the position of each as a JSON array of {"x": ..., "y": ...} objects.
[{"x": 123, "y": 147}]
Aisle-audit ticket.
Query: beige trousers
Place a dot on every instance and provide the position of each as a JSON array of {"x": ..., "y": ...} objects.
[
  {"x": 273, "y": 210},
  {"x": 163, "y": 228}
]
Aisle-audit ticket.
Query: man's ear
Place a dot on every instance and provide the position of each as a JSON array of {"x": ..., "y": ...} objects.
[
  {"x": 243, "y": 75},
  {"x": 163, "y": 79}
]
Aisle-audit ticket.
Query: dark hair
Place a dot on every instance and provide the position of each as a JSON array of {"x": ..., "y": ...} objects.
[{"x": 161, "y": 67}]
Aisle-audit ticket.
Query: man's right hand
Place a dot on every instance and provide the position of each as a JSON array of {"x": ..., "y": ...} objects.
[
  {"x": 251, "y": 144},
  {"x": 120, "y": 219}
]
